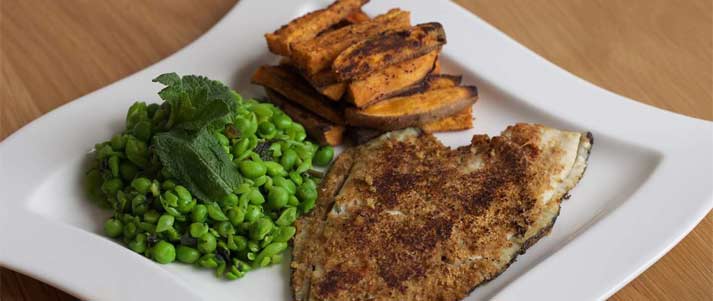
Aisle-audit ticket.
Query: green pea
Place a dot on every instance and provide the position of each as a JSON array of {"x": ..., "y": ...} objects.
[
  {"x": 286, "y": 184},
  {"x": 183, "y": 193},
  {"x": 121, "y": 201},
  {"x": 199, "y": 213},
  {"x": 277, "y": 197},
  {"x": 142, "y": 130},
  {"x": 171, "y": 234},
  {"x": 276, "y": 148},
  {"x": 245, "y": 126},
  {"x": 237, "y": 242},
  {"x": 261, "y": 180},
  {"x": 113, "y": 162},
  {"x": 307, "y": 192},
  {"x": 268, "y": 183},
  {"x": 129, "y": 230},
  {"x": 276, "y": 259},
  {"x": 208, "y": 261},
  {"x": 118, "y": 142},
  {"x": 243, "y": 188},
  {"x": 187, "y": 254},
  {"x": 147, "y": 227},
  {"x": 113, "y": 227},
  {"x": 221, "y": 138},
  {"x": 241, "y": 265},
  {"x": 138, "y": 204},
  {"x": 225, "y": 229},
  {"x": 256, "y": 197},
  {"x": 252, "y": 169},
  {"x": 304, "y": 166},
  {"x": 260, "y": 228},
  {"x": 230, "y": 200},
  {"x": 137, "y": 112},
  {"x": 110, "y": 187},
  {"x": 165, "y": 222},
  {"x": 155, "y": 188},
  {"x": 233, "y": 276},
  {"x": 309, "y": 181},
  {"x": 270, "y": 250},
  {"x": 282, "y": 121},
  {"x": 163, "y": 252},
  {"x": 293, "y": 201},
  {"x": 253, "y": 246},
  {"x": 185, "y": 201},
  {"x": 215, "y": 212},
  {"x": 243, "y": 201},
  {"x": 127, "y": 170},
  {"x": 206, "y": 243},
  {"x": 262, "y": 110},
  {"x": 288, "y": 159},
  {"x": 266, "y": 129},
  {"x": 141, "y": 185},
  {"x": 220, "y": 269},
  {"x": 236, "y": 216},
  {"x": 175, "y": 213},
  {"x": 241, "y": 146},
  {"x": 138, "y": 245},
  {"x": 287, "y": 217},
  {"x": 170, "y": 199},
  {"x": 137, "y": 152},
  {"x": 285, "y": 234},
  {"x": 274, "y": 169},
  {"x": 252, "y": 213},
  {"x": 323, "y": 156},
  {"x": 296, "y": 178},
  {"x": 151, "y": 216},
  {"x": 299, "y": 132},
  {"x": 306, "y": 206},
  {"x": 197, "y": 229},
  {"x": 103, "y": 151},
  {"x": 186, "y": 207}
]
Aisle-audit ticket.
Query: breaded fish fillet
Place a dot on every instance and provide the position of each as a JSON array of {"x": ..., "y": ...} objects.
[{"x": 404, "y": 217}]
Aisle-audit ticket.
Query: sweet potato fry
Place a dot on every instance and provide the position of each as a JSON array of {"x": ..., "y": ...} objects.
[
  {"x": 390, "y": 81},
  {"x": 289, "y": 84},
  {"x": 333, "y": 91},
  {"x": 413, "y": 110},
  {"x": 310, "y": 25},
  {"x": 462, "y": 120},
  {"x": 388, "y": 48},
  {"x": 324, "y": 81},
  {"x": 323, "y": 131},
  {"x": 314, "y": 55},
  {"x": 357, "y": 16},
  {"x": 432, "y": 82},
  {"x": 440, "y": 81}
]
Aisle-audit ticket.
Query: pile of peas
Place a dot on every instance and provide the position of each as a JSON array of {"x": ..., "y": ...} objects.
[{"x": 159, "y": 218}]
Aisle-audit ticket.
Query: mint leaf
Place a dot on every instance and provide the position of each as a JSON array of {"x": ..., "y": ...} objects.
[
  {"x": 198, "y": 161},
  {"x": 195, "y": 102},
  {"x": 168, "y": 79}
]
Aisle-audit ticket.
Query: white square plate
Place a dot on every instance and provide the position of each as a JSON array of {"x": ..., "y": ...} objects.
[{"x": 648, "y": 182}]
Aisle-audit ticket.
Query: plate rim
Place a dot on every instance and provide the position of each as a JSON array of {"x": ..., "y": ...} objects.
[{"x": 679, "y": 153}]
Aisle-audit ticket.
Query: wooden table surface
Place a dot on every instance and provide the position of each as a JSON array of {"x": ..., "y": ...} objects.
[{"x": 655, "y": 51}]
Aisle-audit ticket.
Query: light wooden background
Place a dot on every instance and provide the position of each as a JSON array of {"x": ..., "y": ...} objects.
[{"x": 655, "y": 51}]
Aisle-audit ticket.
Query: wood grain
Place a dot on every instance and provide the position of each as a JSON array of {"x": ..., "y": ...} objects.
[{"x": 658, "y": 52}]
